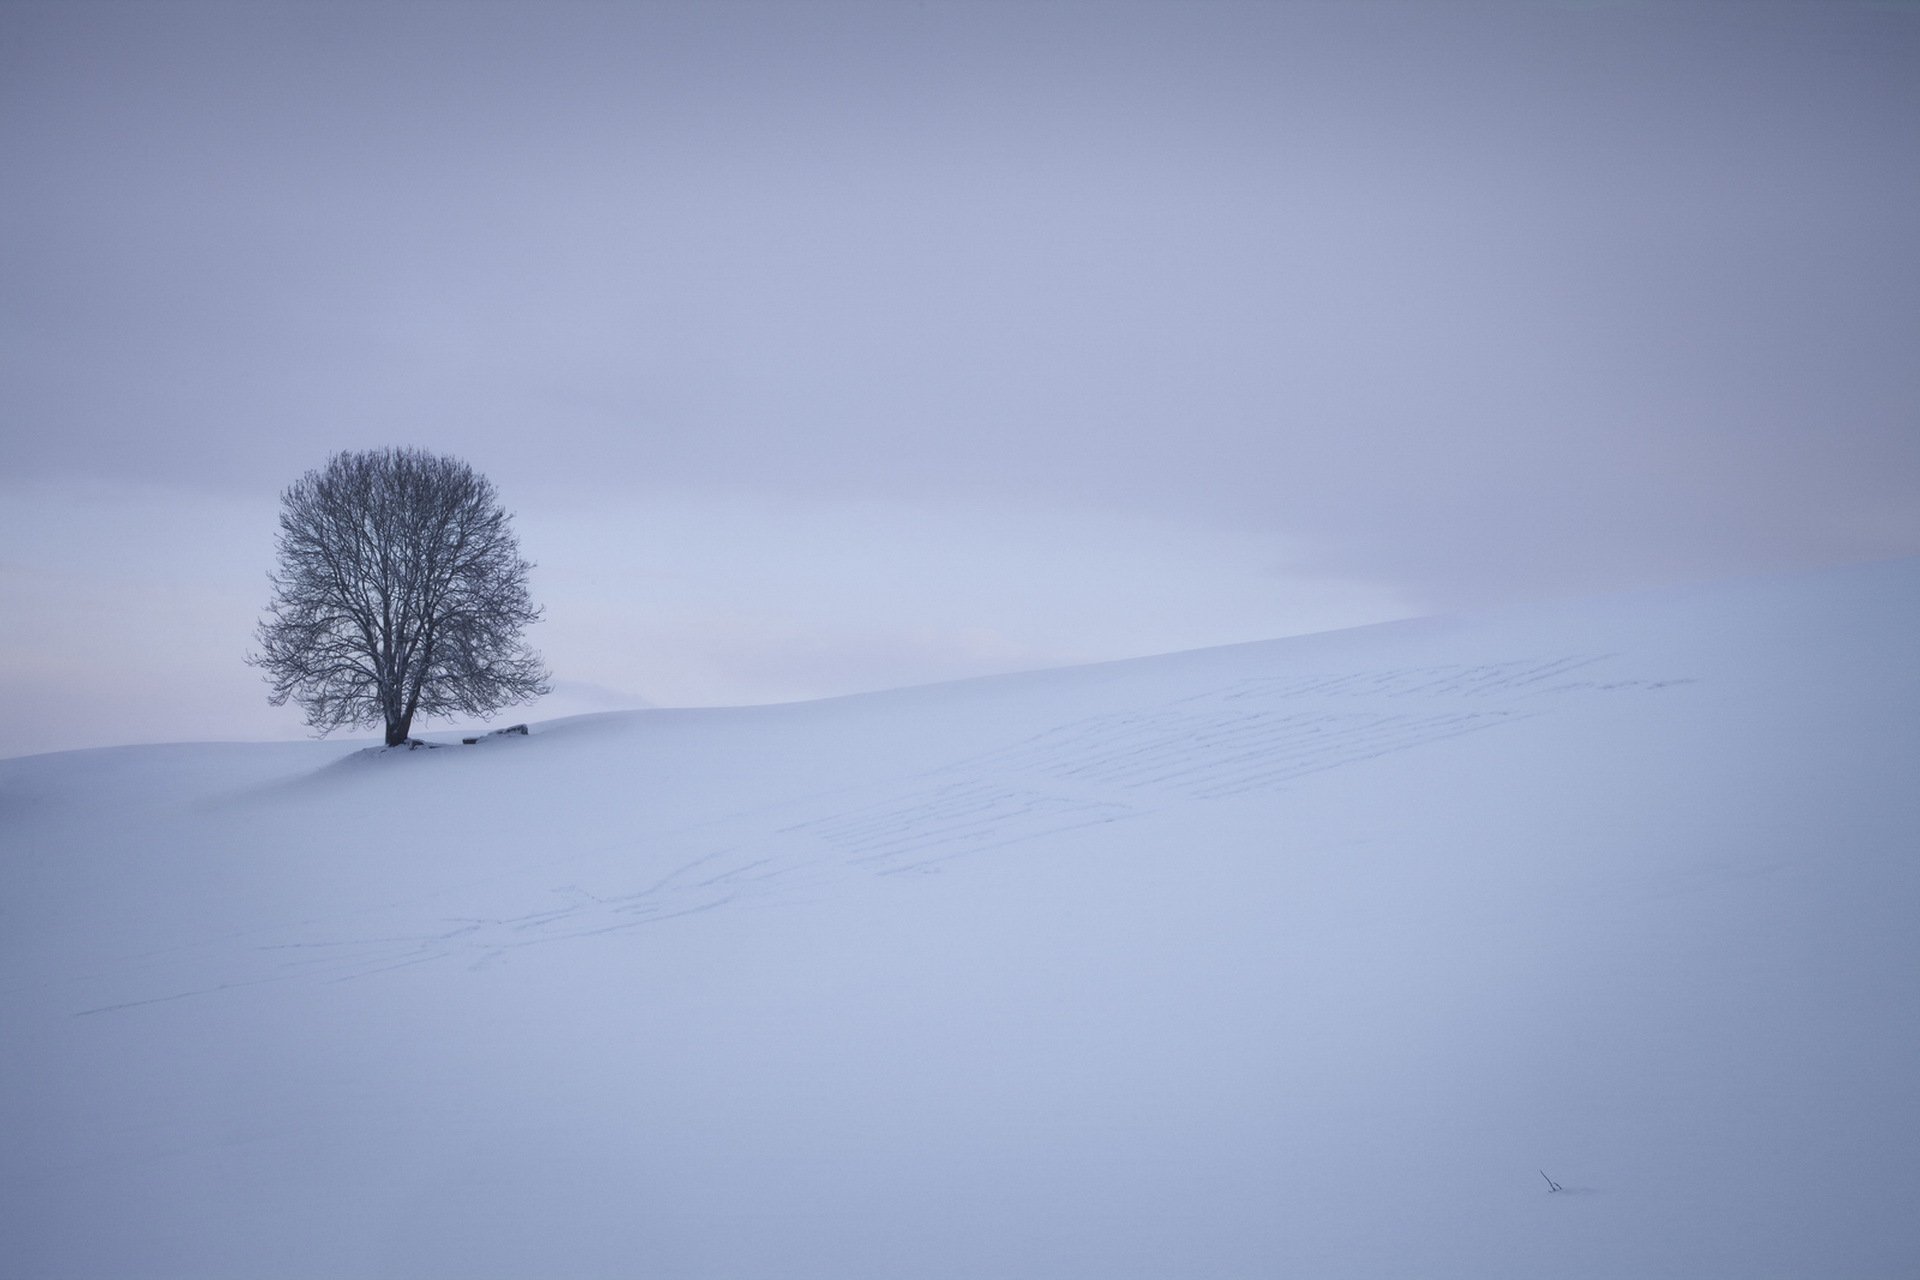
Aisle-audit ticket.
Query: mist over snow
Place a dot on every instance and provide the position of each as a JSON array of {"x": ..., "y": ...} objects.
[
  {"x": 822, "y": 346},
  {"x": 872, "y": 385},
  {"x": 1315, "y": 957}
]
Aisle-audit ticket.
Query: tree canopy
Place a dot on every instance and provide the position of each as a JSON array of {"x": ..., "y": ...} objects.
[{"x": 400, "y": 592}]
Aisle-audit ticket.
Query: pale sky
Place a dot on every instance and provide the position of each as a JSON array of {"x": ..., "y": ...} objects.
[{"x": 822, "y": 347}]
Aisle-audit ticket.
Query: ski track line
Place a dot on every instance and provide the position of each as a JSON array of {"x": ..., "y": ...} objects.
[{"x": 1249, "y": 736}]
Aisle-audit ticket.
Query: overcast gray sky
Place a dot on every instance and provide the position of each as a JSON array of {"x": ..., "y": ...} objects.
[{"x": 829, "y": 346}]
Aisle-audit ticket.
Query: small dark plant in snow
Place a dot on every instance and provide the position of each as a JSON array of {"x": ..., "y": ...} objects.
[{"x": 400, "y": 592}]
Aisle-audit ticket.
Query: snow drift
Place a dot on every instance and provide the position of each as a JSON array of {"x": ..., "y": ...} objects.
[{"x": 1309, "y": 958}]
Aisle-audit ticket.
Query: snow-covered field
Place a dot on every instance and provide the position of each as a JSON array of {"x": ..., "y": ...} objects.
[{"x": 1297, "y": 959}]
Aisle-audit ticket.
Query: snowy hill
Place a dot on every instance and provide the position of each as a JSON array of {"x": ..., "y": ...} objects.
[{"x": 1301, "y": 959}]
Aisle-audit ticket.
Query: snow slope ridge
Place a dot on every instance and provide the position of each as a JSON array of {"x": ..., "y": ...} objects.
[{"x": 1303, "y": 958}]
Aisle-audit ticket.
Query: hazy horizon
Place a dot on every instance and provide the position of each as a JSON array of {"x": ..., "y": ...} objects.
[{"x": 821, "y": 347}]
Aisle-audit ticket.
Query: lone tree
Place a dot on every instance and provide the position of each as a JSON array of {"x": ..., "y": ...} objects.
[{"x": 400, "y": 592}]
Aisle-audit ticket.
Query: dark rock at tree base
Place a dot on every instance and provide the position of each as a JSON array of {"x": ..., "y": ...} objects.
[{"x": 519, "y": 729}]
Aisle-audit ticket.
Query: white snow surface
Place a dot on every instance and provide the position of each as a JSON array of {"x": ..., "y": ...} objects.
[{"x": 1296, "y": 959}]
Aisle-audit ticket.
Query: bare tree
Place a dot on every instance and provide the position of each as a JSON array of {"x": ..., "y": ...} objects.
[{"x": 400, "y": 592}]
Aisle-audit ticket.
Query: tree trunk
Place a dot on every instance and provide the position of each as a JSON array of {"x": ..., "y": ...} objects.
[{"x": 398, "y": 729}]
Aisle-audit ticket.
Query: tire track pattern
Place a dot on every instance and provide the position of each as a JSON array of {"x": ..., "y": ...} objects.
[
  {"x": 1252, "y": 736},
  {"x": 1206, "y": 756}
]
